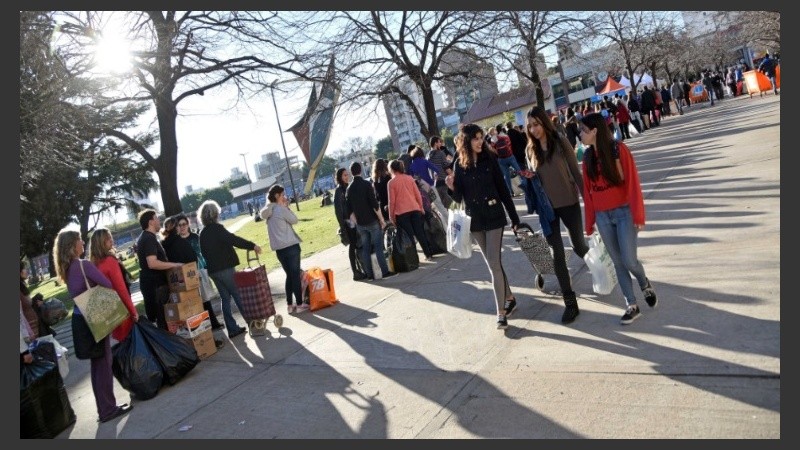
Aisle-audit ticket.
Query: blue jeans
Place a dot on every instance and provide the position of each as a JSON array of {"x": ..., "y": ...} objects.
[
  {"x": 223, "y": 280},
  {"x": 289, "y": 258},
  {"x": 505, "y": 164},
  {"x": 372, "y": 240},
  {"x": 620, "y": 236}
]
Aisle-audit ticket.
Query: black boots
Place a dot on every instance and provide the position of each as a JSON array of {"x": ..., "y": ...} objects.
[
  {"x": 215, "y": 325},
  {"x": 571, "y": 311}
]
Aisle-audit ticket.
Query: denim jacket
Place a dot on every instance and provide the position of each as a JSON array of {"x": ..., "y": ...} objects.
[{"x": 537, "y": 201}]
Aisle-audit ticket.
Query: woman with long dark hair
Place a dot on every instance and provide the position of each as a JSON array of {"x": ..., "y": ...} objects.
[
  {"x": 614, "y": 202},
  {"x": 477, "y": 181},
  {"x": 553, "y": 160},
  {"x": 380, "y": 181}
]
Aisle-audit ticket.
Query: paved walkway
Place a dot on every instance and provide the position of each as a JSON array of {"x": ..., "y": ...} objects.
[{"x": 418, "y": 355}]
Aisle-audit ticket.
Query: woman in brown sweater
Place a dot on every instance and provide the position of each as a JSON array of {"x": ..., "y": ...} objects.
[{"x": 553, "y": 160}]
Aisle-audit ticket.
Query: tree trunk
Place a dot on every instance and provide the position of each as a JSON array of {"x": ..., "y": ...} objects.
[
  {"x": 430, "y": 113},
  {"x": 166, "y": 165}
]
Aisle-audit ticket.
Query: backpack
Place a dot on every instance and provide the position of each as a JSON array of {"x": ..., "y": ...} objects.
[{"x": 503, "y": 146}]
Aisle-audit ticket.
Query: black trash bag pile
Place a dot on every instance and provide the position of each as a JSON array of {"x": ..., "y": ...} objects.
[
  {"x": 44, "y": 406},
  {"x": 150, "y": 357}
]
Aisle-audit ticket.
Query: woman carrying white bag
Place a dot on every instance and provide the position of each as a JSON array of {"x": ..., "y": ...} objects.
[
  {"x": 613, "y": 201},
  {"x": 477, "y": 181}
]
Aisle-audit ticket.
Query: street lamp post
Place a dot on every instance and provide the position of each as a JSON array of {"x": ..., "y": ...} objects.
[
  {"x": 285, "y": 155},
  {"x": 249, "y": 181}
]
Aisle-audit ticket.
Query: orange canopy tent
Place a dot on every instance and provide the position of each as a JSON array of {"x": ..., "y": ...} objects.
[{"x": 612, "y": 87}]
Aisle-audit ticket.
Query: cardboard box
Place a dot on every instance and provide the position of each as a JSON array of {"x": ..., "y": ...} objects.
[
  {"x": 192, "y": 326},
  {"x": 190, "y": 296},
  {"x": 184, "y": 278},
  {"x": 181, "y": 311},
  {"x": 204, "y": 344}
]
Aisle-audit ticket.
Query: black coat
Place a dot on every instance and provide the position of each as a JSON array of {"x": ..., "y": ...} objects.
[
  {"x": 216, "y": 245},
  {"x": 484, "y": 193}
]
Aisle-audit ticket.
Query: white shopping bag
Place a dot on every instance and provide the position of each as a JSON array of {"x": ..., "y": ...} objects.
[
  {"x": 604, "y": 277},
  {"x": 459, "y": 238}
]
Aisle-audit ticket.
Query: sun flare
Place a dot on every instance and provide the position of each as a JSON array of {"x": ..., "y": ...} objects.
[{"x": 112, "y": 55}]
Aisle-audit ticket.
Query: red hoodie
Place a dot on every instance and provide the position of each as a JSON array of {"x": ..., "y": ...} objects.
[{"x": 599, "y": 195}]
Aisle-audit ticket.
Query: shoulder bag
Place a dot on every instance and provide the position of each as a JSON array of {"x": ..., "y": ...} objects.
[{"x": 101, "y": 307}]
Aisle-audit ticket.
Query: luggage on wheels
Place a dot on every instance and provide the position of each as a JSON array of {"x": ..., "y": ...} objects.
[
  {"x": 256, "y": 296},
  {"x": 536, "y": 248}
]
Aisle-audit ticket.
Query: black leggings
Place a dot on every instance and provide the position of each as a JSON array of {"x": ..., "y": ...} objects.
[{"x": 571, "y": 217}]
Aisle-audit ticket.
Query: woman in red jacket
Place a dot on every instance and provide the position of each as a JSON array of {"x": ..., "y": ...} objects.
[
  {"x": 101, "y": 253},
  {"x": 613, "y": 201}
]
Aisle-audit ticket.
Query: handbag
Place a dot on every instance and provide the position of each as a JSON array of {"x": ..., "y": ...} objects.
[
  {"x": 101, "y": 308},
  {"x": 604, "y": 276},
  {"x": 459, "y": 238}
]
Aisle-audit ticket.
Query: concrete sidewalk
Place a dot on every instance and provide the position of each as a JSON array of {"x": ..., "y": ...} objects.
[{"x": 418, "y": 355}]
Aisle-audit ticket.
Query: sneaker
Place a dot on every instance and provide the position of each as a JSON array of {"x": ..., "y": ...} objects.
[
  {"x": 233, "y": 334},
  {"x": 650, "y": 295},
  {"x": 301, "y": 308},
  {"x": 502, "y": 322},
  {"x": 631, "y": 314},
  {"x": 291, "y": 309},
  {"x": 510, "y": 306},
  {"x": 389, "y": 274},
  {"x": 359, "y": 277}
]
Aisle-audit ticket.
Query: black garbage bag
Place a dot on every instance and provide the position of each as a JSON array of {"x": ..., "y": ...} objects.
[
  {"x": 44, "y": 408},
  {"x": 435, "y": 232},
  {"x": 401, "y": 249},
  {"x": 176, "y": 355},
  {"x": 135, "y": 366}
]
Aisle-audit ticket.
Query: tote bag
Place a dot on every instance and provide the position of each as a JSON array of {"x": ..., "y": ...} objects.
[
  {"x": 101, "y": 307},
  {"x": 604, "y": 277},
  {"x": 459, "y": 238}
]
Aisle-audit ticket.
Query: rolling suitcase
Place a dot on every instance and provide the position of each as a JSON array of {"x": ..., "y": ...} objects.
[
  {"x": 536, "y": 248},
  {"x": 256, "y": 296}
]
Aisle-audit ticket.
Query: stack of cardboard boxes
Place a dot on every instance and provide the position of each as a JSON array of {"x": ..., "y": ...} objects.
[{"x": 184, "y": 311}]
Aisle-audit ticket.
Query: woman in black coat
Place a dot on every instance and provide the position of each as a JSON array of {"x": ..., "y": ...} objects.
[
  {"x": 347, "y": 234},
  {"x": 477, "y": 181}
]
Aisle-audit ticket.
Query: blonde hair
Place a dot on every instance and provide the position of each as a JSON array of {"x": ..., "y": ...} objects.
[
  {"x": 64, "y": 251},
  {"x": 97, "y": 243}
]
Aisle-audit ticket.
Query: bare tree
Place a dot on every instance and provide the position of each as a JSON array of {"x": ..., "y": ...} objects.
[
  {"x": 178, "y": 55},
  {"x": 377, "y": 51},
  {"x": 633, "y": 33},
  {"x": 520, "y": 38},
  {"x": 761, "y": 28}
]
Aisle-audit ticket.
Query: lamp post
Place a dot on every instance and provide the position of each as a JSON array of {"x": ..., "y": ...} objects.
[
  {"x": 249, "y": 181},
  {"x": 285, "y": 155}
]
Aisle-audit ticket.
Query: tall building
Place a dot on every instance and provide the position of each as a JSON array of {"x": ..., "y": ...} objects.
[
  {"x": 403, "y": 125},
  {"x": 461, "y": 91},
  {"x": 272, "y": 164}
]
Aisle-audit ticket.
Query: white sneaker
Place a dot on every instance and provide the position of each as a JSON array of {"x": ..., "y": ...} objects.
[
  {"x": 301, "y": 308},
  {"x": 290, "y": 309}
]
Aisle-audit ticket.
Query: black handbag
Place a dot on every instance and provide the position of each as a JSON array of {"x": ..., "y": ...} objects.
[{"x": 83, "y": 339}]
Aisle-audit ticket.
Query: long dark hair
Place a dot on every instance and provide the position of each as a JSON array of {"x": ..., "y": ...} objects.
[
  {"x": 23, "y": 283},
  {"x": 463, "y": 141},
  {"x": 339, "y": 180},
  {"x": 551, "y": 136},
  {"x": 602, "y": 151}
]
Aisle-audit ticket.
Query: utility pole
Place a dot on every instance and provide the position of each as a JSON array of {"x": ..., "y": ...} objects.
[
  {"x": 249, "y": 181},
  {"x": 285, "y": 155}
]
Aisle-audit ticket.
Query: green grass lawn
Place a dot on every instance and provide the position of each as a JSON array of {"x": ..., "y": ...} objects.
[{"x": 316, "y": 227}]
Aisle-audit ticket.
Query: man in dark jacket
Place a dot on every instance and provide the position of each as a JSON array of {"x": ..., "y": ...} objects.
[
  {"x": 363, "y": 207},
  {"x": 518, "y": 143},
  {"x": 767, "y": 67}
]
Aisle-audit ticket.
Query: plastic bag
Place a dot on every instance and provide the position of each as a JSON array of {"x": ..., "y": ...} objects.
[
  {"x": 44, "y": 408},
  {"x": 604, "y": 277},
  {"x": 176, "y": 355},
  {"x": 459, "y": 238},
  {"x": 59, "y": 352},
  {"x": 318, "y": 288},
  {"x": 135, "y": 366},
  {"x": 53, "y": 311}
]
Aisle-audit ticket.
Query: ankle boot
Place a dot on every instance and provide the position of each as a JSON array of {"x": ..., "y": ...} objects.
[
  {"x": 215, "y": 325},
  {"x": 571, "y": 311}
]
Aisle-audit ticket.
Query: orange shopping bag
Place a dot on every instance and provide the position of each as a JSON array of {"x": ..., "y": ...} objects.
[{"x": 318, "y": 288}]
